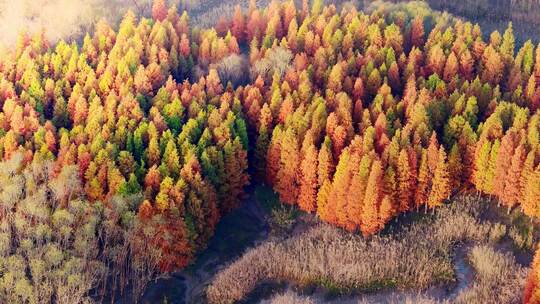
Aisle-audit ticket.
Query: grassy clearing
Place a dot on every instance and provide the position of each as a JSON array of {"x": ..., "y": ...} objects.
[
  {"x": 416, "y": 257},
  {"x": 498, "y": 279}
]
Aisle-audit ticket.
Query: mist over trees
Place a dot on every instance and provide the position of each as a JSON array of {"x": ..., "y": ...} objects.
[{"x": 68, "y": 19}]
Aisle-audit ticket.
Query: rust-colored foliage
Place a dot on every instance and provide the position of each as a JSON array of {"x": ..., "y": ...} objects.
[
  {"x": 532, "y": 288},
  {"x": 307, "y": 197},
  {"x": 370, "y": 212},
  {"x": 159, "y": 10}
]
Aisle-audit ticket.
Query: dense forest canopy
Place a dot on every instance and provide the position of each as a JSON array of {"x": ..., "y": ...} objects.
[{"x": 354, "y": 117}]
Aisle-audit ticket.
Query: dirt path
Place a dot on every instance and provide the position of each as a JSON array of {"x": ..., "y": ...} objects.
[{"x": 236, "y": 232}]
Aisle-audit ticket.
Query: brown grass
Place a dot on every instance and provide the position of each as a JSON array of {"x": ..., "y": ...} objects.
[
  {"x": 416, "y": 257},
  {"x": 289, "y": 297},
  {"x": 499, "y": 279}
]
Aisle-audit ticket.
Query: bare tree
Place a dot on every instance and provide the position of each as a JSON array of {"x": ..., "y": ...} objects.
[
  {"x": 276, "y": 60},
  {"x": 233, "y": 68}
]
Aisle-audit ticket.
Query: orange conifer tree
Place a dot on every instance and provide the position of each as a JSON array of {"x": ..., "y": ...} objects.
[
  {"x": 159, "y": 10},
  {"x": 512, "y": 184},
  {"x": 326, "y": 164},
  {"x": 405, "y": 191},
  {"x": 532, "y": 287},
  {"x": 307, "y": 197},
  {"x": 370, "y": 212},
  {"x": 286, "y": 183},
  {"x": 422, "y": 188},
  {"x": 386, "y": 211},
  {"x": 417, "y": 32},
  {"x": 531, "y": 194},
  {"x": 325, "y": 208},
  {"x": 441, "y": 183},
  {"x": 357, "y": 191},
  {"x": 340, "y": 186}
]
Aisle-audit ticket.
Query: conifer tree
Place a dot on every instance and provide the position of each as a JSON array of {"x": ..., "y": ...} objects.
[
  {"x": 433, "y": 153},
  {"x": 508, "y": 43},
  {"x": 235, "y": 158},
  {"x": 422, "y": 189},
  {"x": 316, "y": 7},
  {"x": 405, "y": 192},
  {"x": 466, "y": 65},
  {"x": 455, "y": 167},
  {"x": 417, "y": 32},
  {"x": 261, "y": 150},
  {"x": 340, "y": 185},
  {"x": 307, "y": 197},
  {"x": 531, "y": 192},
  {"x": 273, "y": 157},
  {"x": 171, "y": 159},
  {"x": 502, "y": 165},
  {"x": 512, "y": 184},
  {"x": 286, "y": 183},
  {"x": 532, "y": 287},
  {"x": 159, "y": 10},
  {"x": 238, "y": 24},
  {"x": 386, "y": 211},
  {"x": 451, "y": 67},
  {"x": 326, "y": 164},
  {"x": 490, "y": 173},
  {"x": 370, "y": 212},
  {"x": 482, "y": 165},
  {"x": 325, "y": 208},
  {"x": 357, "y": 191},
  {"x": 441, "y": 183}
]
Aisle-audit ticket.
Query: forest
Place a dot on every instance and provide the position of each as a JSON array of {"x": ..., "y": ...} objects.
[{"x": 122, "y": 151}]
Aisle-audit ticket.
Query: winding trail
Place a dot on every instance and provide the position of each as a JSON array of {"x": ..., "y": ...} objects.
[
  {"x": 237, "y": 231},
  {"x": 464, "y": 272}
]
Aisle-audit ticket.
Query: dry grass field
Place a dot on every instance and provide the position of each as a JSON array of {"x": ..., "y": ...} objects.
[{"x": 414, "y": 258}]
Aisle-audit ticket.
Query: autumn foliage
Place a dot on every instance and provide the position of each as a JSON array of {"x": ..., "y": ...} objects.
[
  {"x": 532, "y": 289},
  {"x": 356, "y": 118}
]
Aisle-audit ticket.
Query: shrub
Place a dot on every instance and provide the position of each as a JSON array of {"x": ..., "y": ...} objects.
[
  {"x": 522, "y": 238},
  {"x": 289, "y": 297},
  {"x": 497, "y": 232},
  {"x": 284, "y": 217}
]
